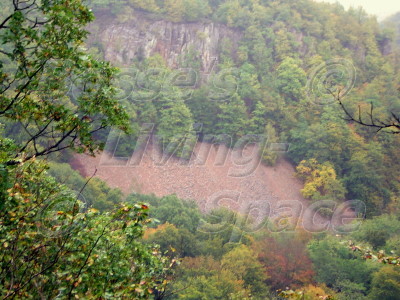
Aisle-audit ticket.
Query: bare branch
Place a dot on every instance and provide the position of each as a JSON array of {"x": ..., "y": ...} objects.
[{"x": 392, "y": 123}]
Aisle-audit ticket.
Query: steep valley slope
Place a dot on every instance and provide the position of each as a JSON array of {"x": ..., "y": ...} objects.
[{"x": 214, "y": 177}]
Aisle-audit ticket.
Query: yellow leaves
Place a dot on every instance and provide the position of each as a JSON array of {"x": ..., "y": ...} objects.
[
  {"x": 319, "y": 292},
  {"x": 150, "y": 232},
  {"x": 305, "y": 167},
  {"x": 93, "y": 210},
  {"x": 90, "y": 261},
  {"x": 320, "y": 180}
]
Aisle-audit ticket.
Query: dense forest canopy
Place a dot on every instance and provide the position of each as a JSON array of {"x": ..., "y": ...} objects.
[
  {"x": 393, "y": 23},
  {"x": 63, "y": 236}
]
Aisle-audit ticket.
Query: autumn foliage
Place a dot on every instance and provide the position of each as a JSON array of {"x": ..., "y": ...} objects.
[{"x": 285, "y": 260}]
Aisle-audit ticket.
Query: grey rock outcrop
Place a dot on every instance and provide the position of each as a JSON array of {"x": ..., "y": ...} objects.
[{"x": 143, "y": 37}]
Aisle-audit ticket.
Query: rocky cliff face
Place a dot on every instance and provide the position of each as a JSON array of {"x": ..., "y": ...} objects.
[{"x": 143, "y": 37}]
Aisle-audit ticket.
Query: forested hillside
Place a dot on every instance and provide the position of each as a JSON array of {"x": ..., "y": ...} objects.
[
  {"x": 270, "y": 79},
  {"x": 307, "y": 85},
  {"x": 393, "y": 23}
]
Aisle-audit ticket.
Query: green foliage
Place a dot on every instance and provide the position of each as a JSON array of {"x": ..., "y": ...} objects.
[
  {"x": 249, "y": 86},
  {"x": 176, "y": 242},
  {"x": 363, "y": 177},
  {"x": 259, "y": 118},
  {"x": 269, "y": 156},
  {"x": 174, "y": 10},
  {"x": 393, "y": 23},
  {"x": 378, "y": 231},
  {"x": 291, "y": 79},
  {"x": 320, "y": 181},
  {"x": 355, "y": 161},
  {"x": 170, "y": 209},
  {"x": 220, "y": 230},
  {"x": 393, "y": 245},
  {"x": 40, "y": 59},
  {"x": 195, "y": 10},
  {"x": 264, "y": 81},
  {"x": 52, "y": 245},
  {"x": 175, "y": 129},
  {"x": 220, "y": 286},
  {"x": 54, "y": 96},
  {"x": 328, "y": 139},
  {"x": 204, "y": 110},
  {"x": 154, "y": 95},
  {"x": 243, "y": 263},
  {"x": 386, "y": 284},
  {"x": 350, "y": 290},
  {"x": 232, "y": 119},
  {"x": 93, "y": 192},
  {"x": 237, "y": 276},
  {"x": 335, "y": 265},
  {"x": 149, "y": 5}
]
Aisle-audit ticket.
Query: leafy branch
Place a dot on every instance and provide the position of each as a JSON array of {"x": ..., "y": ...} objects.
[{"x": 379, "y": 256}]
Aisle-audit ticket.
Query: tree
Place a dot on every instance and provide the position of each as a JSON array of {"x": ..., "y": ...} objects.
[
  {"x": 174, "y": 10},
  {"x": 393, "y": 22},
  {"x": 390, "y": 124},
  {"x": 176, "y": 242},
  {"x": 327, "y": 138},
  {"x": 312, "y": 292},
  {"x": 175, "y": 129},
  {"x": 378, "y": 230},
  {"x": 232, "y": 118},
  {"x": 249, "y": 86},
  {"x": 149, "y": 5},
  {"x": 285, "y": 261},
  {"x": 204, "y": 278},
  {"x": 259, "y": 119},
  {"x": 96, "y": 193},
  {"x": 268, "y": 155},
  {"x": 291, "y": 79},
  {"x": 386, "y": 284},
  {"x": 237, "y": 276},
  {"x": 243, "y": 264},
  {"x": 184, "y": 214},
  {"x": 320, "y": 181},
  {"x": 363, "y": 178},
  {"x": 221, "y": 230},
  {"x": 42, "y": 56},
  {"x": 204, "y": 110},
  {"x": 335, "y": 264},
  {"x": 195, "y": 10},
  {"x": 52, "y": 245}
]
